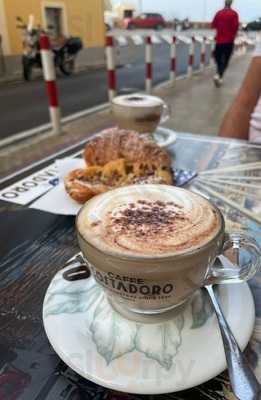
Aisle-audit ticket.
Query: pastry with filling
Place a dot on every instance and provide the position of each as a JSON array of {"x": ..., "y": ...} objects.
[{"x": 83, "y": 184}]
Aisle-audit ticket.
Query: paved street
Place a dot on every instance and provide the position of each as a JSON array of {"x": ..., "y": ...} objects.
[
  {"x": 28, "y": 102},
  {"x": 197, "y": 107}
]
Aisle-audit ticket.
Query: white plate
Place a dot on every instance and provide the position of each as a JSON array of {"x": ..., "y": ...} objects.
[{"x": 114, "y": 352}]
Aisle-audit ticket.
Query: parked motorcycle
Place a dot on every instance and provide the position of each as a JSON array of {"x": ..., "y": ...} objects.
[
  {"x": 65, "y": 50},
  {"x": 181, "y": 25}
]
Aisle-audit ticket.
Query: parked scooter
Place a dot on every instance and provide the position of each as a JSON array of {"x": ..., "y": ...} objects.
[
  {"x": 181, "y": 25},
  {"x": 65, "y": 50}
]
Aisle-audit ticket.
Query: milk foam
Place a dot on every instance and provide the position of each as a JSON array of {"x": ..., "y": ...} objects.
[
  {"x": 148, "y": 221},
  {"x": 138, "y": 100}
]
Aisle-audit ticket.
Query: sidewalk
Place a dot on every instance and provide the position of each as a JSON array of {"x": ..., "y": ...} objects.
[
  {"x": 197, "y": 107},
  {"x": 4, "y": 79}
]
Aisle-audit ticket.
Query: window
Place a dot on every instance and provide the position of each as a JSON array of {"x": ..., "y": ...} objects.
[{"x": 128, "y": 14}]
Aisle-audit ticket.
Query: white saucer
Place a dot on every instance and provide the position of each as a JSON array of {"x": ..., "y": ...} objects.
[
  {"x": 102, "y": 346},
  {"x": 164, "y": 137}
]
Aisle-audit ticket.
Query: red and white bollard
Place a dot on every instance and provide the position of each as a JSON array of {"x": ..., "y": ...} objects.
[
  {"x": 191, "y": 57},
  {"x": 213, "y": 49},
  {"x": 50, "y": 80},
  {"x": 236, "y": 47},
  {"x": 173, "y": 60},
  {"x": 203, "y": 54},
  {"x": 241, "y": 47},
  {"x": 148, "y": 61},
  {"x": 111, "y": 74},
  {"x": 245, "y": 45}
]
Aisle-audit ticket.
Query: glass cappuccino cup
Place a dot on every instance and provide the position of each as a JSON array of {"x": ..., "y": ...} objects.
[
  {"x": 139, "y": 112},
  {"x": 150, "y": 247}
]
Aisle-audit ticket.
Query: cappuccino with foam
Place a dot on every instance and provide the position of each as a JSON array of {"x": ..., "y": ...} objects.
[
  {"x": 139, "y": 112},
  {"x": 149, "y": 246},
  {"x": 148, "y": 221}
]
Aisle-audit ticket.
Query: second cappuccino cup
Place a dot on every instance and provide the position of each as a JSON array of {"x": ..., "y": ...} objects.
[{"x": 140, "y": 112}]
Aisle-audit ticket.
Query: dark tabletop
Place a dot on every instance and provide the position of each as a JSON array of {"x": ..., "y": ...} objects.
[{"x": 34, "y": 245}]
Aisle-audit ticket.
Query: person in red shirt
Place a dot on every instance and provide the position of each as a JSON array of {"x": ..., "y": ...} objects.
[{"x": 226, "y": 23}]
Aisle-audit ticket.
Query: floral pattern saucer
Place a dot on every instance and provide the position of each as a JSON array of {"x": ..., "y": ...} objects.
[{"x": 152, "y": 358}]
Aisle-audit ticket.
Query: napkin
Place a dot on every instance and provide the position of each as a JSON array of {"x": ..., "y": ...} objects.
[
  {"x": 30, "y": 188},
  {"x": 57, "y": 201}
]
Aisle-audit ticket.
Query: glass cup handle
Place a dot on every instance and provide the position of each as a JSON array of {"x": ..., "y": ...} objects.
[
  {"x": 79, "y": 269},
  {"x": 246, "y": 260},
  {"x": 165, "y": 113}
]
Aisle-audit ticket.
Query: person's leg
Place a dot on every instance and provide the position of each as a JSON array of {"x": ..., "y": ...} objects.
[
  {"x": 219, "y": 62},
  {"x": 218, "y": 58},
  {"x": 223, "y": 59},
  {"x": 228, "y": 51}
]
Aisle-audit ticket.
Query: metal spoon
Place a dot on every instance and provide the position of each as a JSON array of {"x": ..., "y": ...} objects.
[{"x": 244, "y": 384}]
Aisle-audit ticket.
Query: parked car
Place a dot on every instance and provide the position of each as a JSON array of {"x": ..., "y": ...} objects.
[
  {"x": 253, "y": 26},
  {"x": 146, "y": 20}
]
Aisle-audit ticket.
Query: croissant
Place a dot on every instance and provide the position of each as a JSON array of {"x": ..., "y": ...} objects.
[
  {"x": 116, "y": 143},
  {"x": 82, "y": 184},
  {"x": 81, "y": 187}
]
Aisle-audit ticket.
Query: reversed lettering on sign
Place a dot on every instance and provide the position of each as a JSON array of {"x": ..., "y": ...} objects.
[{"x": 33, "y": 186}]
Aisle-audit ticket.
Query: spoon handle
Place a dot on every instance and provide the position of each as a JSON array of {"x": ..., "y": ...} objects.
[{"x": 243, "y": 381}]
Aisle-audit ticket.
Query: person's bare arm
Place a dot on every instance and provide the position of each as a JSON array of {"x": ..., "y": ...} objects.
[{"x": 237, "y": 119}]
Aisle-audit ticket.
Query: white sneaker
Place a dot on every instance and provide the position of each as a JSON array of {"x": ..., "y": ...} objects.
[{"x": 217, "y": 80}]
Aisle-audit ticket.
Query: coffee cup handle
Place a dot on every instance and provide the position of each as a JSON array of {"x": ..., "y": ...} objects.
[
  {"x": 78, "y": 270},
  {"x": 169, "y": 137},
  {"x": 246, "y": 260},
  {"x": 165, "y": 114}
]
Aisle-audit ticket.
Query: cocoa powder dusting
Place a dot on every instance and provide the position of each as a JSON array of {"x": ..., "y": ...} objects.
[{"x": 148, "y": 218}]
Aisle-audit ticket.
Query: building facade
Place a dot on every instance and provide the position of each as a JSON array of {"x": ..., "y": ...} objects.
[{"x": 84, "y": 18}]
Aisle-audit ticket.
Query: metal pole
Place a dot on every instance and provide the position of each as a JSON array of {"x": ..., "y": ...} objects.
[
  {"x": 50, "y": 79},
  {"x": 203, "y": 53},
  {"x": 140, "y": 6},
  {"x": 205, "y": 11},
  {"x": 191, "y": 57},
  {"x": 111, "y": 75},
  {"x": 173, "y": 60},
  {"x": 148, "y": 61},
  {"x": 2, "y": 59}
]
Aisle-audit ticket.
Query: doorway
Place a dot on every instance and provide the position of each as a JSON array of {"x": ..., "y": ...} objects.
[{"x": 54, "y": 21}]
